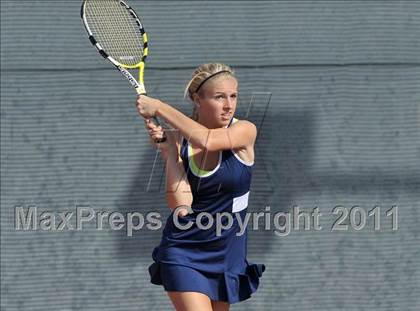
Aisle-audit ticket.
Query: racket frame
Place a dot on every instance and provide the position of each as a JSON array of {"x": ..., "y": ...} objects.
[{"x": 138, "y": 84}]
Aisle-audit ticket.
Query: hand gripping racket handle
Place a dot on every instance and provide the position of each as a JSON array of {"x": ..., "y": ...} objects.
[{"x": 159, "y": 140}]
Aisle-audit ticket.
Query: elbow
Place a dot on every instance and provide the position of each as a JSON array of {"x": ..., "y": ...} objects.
[{"x": 175, "y": 201}]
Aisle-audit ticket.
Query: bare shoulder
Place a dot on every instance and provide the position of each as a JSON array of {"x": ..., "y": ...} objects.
[
  {"x": 244, "y": 127},
  {"x": 245, "y": 123}
]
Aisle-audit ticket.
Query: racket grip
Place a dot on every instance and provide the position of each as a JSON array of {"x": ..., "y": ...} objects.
[
  {"x": 141, "y": 91},
  {"x": 160, "y": 140}
]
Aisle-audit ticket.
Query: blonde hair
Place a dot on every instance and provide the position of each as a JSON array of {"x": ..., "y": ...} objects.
[{"x": 200, "y": 75}]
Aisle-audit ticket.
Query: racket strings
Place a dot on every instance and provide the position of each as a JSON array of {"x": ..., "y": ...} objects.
[{"x": 116, "y": 30}]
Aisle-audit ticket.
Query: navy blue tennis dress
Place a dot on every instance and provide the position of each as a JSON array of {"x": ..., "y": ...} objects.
[{"x": 200, "y": 260}]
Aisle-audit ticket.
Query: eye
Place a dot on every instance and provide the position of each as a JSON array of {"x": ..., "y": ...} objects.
[
  {"x": 234, "y": 96},
  {"x": 219, "y": 97}
]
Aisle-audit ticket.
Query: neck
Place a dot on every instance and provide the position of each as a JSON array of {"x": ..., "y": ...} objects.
[{"x": 207, "y": 124}]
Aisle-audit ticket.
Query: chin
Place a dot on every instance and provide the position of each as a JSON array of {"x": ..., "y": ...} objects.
[{"x": 224, "y": 123}]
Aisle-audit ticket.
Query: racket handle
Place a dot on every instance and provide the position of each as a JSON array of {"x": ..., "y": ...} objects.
[
  {"x": 141, "y": 91},
  {"x": 163, "y": 139}
]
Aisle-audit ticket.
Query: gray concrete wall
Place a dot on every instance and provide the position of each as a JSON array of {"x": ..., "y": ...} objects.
[{"x": 341, "y": 128}]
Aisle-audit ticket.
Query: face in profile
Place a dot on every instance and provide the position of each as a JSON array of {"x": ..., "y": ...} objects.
[{"x": 217, "y": 101}]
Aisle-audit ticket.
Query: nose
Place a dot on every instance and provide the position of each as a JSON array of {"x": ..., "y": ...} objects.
[{"x": 229, "y": 103}]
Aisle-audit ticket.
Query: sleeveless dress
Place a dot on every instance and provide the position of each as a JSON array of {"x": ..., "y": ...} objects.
[{"x": 202, "y": 260}]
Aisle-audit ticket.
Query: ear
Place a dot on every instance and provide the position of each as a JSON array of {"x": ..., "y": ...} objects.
[{"x": 196, "y": 99}]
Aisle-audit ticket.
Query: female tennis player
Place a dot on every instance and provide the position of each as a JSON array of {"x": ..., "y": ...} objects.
[{"x": 209, "y": 161}]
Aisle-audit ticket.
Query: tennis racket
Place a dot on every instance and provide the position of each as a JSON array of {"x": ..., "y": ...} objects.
[{"x": 118, "y": 35}]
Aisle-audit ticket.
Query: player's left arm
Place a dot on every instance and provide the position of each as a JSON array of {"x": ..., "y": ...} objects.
[{"x": 240, "y": 134}]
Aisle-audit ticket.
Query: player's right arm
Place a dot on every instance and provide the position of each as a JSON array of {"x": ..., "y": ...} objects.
[{"x": 178, "y": 190}]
